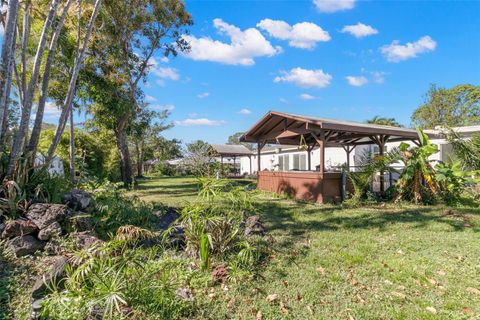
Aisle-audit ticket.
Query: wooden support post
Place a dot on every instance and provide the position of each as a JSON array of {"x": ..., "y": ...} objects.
[
  {"x": 348, "y": 149},
  {"x": 260, "y": 146},
  {"x": 322, "y": 152}
]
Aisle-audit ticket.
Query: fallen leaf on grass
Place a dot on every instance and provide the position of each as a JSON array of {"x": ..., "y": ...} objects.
[
  {"x": 231, "y": 303},
  {"x": 272, "y": 298},
  {"x": 299, "y": 297},
  {"x": 388, "y": 282},
  {"x": 283, "y": 308},
  {"x": 400, "y": 251},
  {"x": 285, "y": 283},
  {"x": 321, "y": 270},
  {"x": 473, "y": 290},
  {"x": 467, "y": 310},
  {"x": 431, "y": 310},
  {"x": 433, "y": 282},
  {"x": 310, "y": 309},
  {"x": 359, "y": 299},
  {"x": 441, "y": 273},
  {"x": 259, "y": 315},
  {"x": 398, "y": 295}
]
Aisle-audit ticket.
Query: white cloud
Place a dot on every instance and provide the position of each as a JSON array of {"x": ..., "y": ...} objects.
[
  {"x": 162, "y": 107},
  {"x": 203, "y": 95},
  {"x": 244, "y": 46},
  {"x": 283, "y": 100},
  {"x": 244, "y": 111},
  {"x": 150, "y": 98},
  {"x": 395, "y": 52},
  {"x": 303, "y": 35},
  {"x": 305, "y": 78},
  {"x": 378, "y": 76},
  {"x": 357, "y": 81},
  {"x": 166, "y": 73},
  {"x": 330, "y": 6},
  {"x": 306, "y": 96},
  {"x": 360, "y": 30},
  {"x": 199, "y": 122},
  {"x": 51, "y": 110}
]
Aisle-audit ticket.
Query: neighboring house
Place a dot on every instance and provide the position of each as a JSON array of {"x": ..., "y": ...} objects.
[{"x": 289, "y": 158}]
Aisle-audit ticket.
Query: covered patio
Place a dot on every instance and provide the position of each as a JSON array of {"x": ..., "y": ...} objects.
[
  {"x": 308, "y": 133},
  {"x": 232, "y": 151}
]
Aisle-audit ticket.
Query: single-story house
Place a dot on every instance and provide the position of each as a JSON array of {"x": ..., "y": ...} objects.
[{"x": 291, "y": 146}]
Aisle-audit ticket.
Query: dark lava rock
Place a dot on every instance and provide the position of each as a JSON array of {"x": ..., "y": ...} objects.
[
  {"x": 177, "y": 236},
  {"x": 82, "y": 222},
  {"x": 18, "y": 228},
  {"x": 253, "y": 226},
  {"x": 44, "y": 214},
  {"x": 50, "y": 231},
  {"x": 85, "y": 239},
  {"x": 165, "y": 219},
  {"x": 56, "y": 277},
  {"x": 78, "y": 200},
  {"x": 25, "y": 245}
]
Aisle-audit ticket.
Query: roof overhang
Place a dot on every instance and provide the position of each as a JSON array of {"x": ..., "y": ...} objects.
[{"x": 289, "y": 129}]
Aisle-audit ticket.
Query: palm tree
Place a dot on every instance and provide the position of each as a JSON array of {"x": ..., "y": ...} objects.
[{"x": 384, "y": 121}]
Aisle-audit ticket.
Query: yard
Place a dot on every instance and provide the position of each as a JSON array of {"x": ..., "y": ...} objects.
[{"x": 382, "y": 262}]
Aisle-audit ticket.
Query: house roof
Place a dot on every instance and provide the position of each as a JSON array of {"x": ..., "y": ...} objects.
[
  {"x": 231, "y": 150},
  {"x": 290, "y": 129}
]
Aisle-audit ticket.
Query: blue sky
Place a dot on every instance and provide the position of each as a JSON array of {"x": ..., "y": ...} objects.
[{"x": 345, "y": 59}]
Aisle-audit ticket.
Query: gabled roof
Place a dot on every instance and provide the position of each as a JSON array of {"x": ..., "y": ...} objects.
[
  {"x": 285, "y": 128},
  {"x": 231, "y": 150}
]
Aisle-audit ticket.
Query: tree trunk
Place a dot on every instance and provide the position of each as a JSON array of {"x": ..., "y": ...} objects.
[
  {"x": 37, "y": 127},
  {"x": 67, "y": 105},
  {"x": 139, "y": 160},
  {"x": 8, "y": 50},
  {"x": 72, "y": 149},
  {"x": 125, "y": 160},
  {"x": 18, "y": 143}
]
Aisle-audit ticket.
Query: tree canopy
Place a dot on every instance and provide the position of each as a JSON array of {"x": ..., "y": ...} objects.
[
  {"x": 454, "y": 107},
  {"x": 384, "y": 121}
]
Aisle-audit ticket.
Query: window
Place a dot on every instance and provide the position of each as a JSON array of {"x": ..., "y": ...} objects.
[
  {"x": 300, "y": 162},
  {"x": 284, "y": 162}
]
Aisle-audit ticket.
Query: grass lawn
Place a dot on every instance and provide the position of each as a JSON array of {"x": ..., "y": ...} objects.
[{"x": 383, "y": 262}]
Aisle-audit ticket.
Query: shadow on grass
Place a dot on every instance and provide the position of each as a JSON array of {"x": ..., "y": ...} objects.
[{"x": 281, "y": 217}]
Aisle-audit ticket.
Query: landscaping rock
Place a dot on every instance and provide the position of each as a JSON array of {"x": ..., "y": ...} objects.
[
  {"x": 51, "y": 230},
  {"x": 165, "y": 219},
  {"x": 185, "y": 294},
  {"x": 253, "y": 226},
  {"x": 78, "y": 200},
  {"x": 85, "y": 239},
  {"x": 177, "y": 236},
  {"x": 82, "y": 222},
  {"x": 25, "y": 245},
  {"x": 56, "y": 276},
  {"x": 44, "y": 214},
  {"x": 18, "y": 228}
]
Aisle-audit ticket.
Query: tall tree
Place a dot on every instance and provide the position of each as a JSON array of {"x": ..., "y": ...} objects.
[
  {"x": 384, "y": 121},
  {"x": 6, "y": 64},
  {"x": 235, "y": 139},
  {"x": 72, "y": 86},
  {"x": 133, "y": 31},
  {"x": 457, "y": 106},
  {"x": 146, "y": 126},
  {"x": 29, "y": 94}
]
